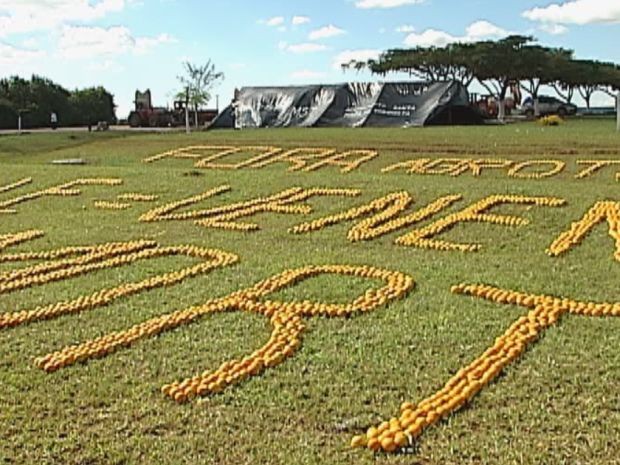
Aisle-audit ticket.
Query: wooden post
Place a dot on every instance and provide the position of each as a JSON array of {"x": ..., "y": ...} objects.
[
  {"x": 187, "y": 110},
  {"x": 19, "y": 123}
]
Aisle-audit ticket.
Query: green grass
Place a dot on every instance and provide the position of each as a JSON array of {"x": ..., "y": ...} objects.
[{"x": 556, "y": 404}]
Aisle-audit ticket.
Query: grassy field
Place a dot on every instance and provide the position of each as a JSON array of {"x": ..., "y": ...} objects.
[{"x": 558, "y": 403}]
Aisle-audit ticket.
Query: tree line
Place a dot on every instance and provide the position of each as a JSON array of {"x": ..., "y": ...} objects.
[
  {"x": 500, "y": 65},
  {"x": 36, "y": 99}
]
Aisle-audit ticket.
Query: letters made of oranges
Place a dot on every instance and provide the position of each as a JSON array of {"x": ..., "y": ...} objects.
[
  {"x": 305, "y": 159},
  {"x": 223, "y": 217},
  {"x": 63, "y": 190},
  {"x": 385, "y": 217},
  {"x": 286, "y": 319},
  {"x": 544, "y": 312},
  {"x": 601, "y": 211},
  {"x": 69, "y": 262}
]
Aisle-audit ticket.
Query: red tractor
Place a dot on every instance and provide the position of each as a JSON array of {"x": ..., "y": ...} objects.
[{"x": 145, "y": 115}]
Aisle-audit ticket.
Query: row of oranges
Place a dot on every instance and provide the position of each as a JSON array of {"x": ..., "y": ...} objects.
[
  {"x": 137, "y": 197},
  {"x": 474, "y": 213},
  {"x": 15, "y": 185},
  {"x": 104, "y": 256},
  {"x": 386, "y": 219},
  {"x": 303, "y": 158},
  {"x": 603, "y": 210},
  {"x": 284, "y": 202},
  {"x": 66, "y": 189},
  {"x": 458, "y": 166},
  {"x": 107, "y": 205},
  {"x": 96, "y": 258},
  {"x": 595, "y": 166},
  {"x": 223, "y": 216},
  {"x": 545, "y": 311},
  {"x": 285, "y": 317},
  {"x": 11, "y": 239}
]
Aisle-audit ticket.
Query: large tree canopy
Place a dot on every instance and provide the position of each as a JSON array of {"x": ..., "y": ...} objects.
[
  {"x": 37, "y": 98},
  {"x": 499, "y": 65}
]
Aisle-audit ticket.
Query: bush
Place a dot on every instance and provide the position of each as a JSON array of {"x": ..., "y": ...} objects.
[{"x": 551, "y": 120}]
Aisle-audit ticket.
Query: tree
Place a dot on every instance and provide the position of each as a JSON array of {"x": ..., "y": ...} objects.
[
  {"x": 92, "y": 105},
  {"x": 586, "y": 77},
  {"x": 197, "y": 84},
  {"x": 538, "y": 66},
  {"x": 34, "y": 100},
  {"x": 427, "y": 63}
]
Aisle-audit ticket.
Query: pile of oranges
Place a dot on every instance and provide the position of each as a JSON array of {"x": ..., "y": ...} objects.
[
  {"x": 545, "y": 311},
  {"x": 69, "y": 262},
  {"x": 473, "y": 213},
  {"x": 285, "y": 317},
  {"x": 602, "y": 210}
]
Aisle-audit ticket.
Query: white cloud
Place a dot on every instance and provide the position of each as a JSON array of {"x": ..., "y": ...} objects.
[
  {"x": 405, "y": 29},
  {"x": 367, "y": 4},
  {"x": 31, "y": 42},
  {"x": 306, "y": 47},
  {"x": 273, "y": 22},
  {"x": 479, "y": 30},
  {"x": 88, "y": 42},
  {"x": 109, "y": 66},
  {"x": 237, "y": 66},
  {"x": 577, "y": 12},
  {"x": 13, "y": 56},
  {"x": 17, "y": 17},
  {"x": 430, "y": 37},
  {"x": 553, "y": 29},
  {"x": 326, "y": 32},
  {"x": 299, "y": 20},
  {"x": 306, "y": 74},
  {"x": 354, "y": 55}
]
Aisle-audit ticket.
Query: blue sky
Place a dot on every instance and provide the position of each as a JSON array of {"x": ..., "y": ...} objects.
[{"x": 126, "y": 45}]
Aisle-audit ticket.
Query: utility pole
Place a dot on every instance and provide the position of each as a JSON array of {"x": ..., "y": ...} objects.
[{"x": 187, "y": 110}]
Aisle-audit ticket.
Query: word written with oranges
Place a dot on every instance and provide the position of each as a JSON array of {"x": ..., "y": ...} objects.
[
  {"x": 70, "y": 262},
  {"x": 386, "y": 218},
  {"x": 67, "y": 189},
  {"x": 224, "y": 217},
  {"x": 528, "y": 169},
  {"x": 286, "y": 319},
  {"x": 304, "y": 159},
  {"x": 601, "y": 211},
  {"x": 544, "y": 312}
]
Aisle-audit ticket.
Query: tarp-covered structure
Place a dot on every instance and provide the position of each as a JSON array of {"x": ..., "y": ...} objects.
[{"x": 393, "y": 104}]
